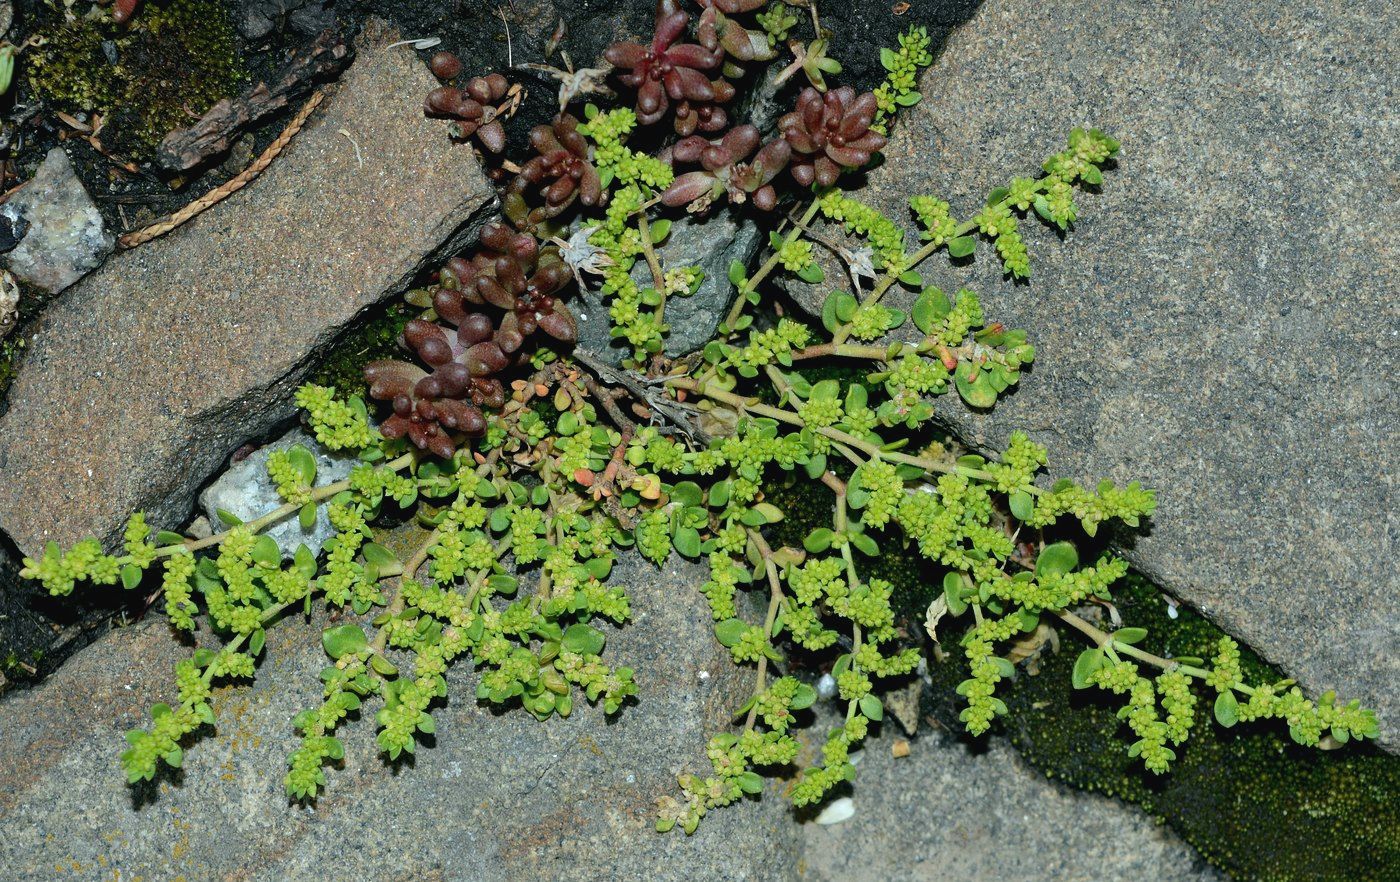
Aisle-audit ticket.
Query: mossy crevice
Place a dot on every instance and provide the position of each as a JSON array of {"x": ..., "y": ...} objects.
[
  {"x": 1248, "y": 799},
  {"x": 342, "y": 367}
]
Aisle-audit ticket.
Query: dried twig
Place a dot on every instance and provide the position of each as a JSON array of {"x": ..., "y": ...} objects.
[
  {"x": 216, "y": 131},
  {"x": 215, "y": 196},
  {"x": 677, "y": 417}
]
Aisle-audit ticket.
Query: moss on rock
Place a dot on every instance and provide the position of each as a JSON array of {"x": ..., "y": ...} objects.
[
  {"x": 1250, "y": 800},
  {"x": 343, "y": 366},
  {"x": 173, "y": 61}
]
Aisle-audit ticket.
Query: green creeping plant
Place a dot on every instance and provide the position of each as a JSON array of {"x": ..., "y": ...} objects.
[{"x": 523, "y": 495}]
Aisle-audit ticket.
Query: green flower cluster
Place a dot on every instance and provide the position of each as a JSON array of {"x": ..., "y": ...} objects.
[
  {"x": 795, "y": 254},
  {"x": 160, "y": 743},
  {"x": 1179, "y": 703},
  {"x": 988, "y": 669},
  {"x": 344, "y": 579},
  {"x": 1108, "y": 501},
  {"x": 600, "y": 683},
  {"x": 1018, "y": 465},
  {"x": 372, "y": 485},
  {"x": 1140, "y": 712},
  {"x": 953, "y": 526},
  {"x": 935, "y": 218},
  {"x": 885, "y": 237},
  {"x": 764, "y": 743},
  {"x": 769, "y": 346},
  {"x": 883, "y": 488},
  {"x": 629, "y": 305},
  {"x": 654, "y": 536},
  {"x": 614, "y": 160},
  {"x": 899, "y": 87},
  {"x": 180, "y": 607},
  {"x": 337, "y": 425},
  {"x": 1308, "y": 721},
  {"x": 288, "y": 471},
  {"x": 59, "y": 571},
  {"x": 817, "y": 782},
  {"x": 873, "y": 321},
  {"x": 1088, "y": 150},
  {"x": 1226, "y": 674},
  {"x": 725, "y": 576},
  {"x": 683, "y": 280},
  {"x": 136, "y": 541}
]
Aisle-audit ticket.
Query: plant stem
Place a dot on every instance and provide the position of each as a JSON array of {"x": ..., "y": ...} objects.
[
  {"x": 775, "y": 600},
  {"x": 272, "y": 517},
  {"x": 842, "y": 350},
  {"x": 233, "y": 645},
  {"x": 918, "y": 257},
  {"x": 658, "y": 278},
  {"x": 751, "y": 284},
  {"x": 786, "y": 416},
  {"x": 502, "y": 546},
  {"x": 411, "y": 566},
  {"x": 1105, "y": 640},
  {"x": 410, "y": 569}
]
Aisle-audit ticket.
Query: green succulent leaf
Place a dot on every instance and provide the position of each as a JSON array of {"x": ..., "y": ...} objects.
[{"x": 342, "y": 640}]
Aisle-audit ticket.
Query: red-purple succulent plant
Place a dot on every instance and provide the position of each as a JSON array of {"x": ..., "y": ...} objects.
[
  {"x": 715, "y": 30},
  {"x": 705, "y": 116},
  {"x": 474, "y": 108},
  {"x": 510, "y": 272},
  {"x": 830, "y": 133},
  {"x": 666, "y": 70},
  {"x": 561, "y": 171},
  {"x": 723, "y": 170}
]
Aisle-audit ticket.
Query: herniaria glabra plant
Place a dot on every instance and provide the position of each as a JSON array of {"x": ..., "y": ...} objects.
[{"x": 523, "y": 458}]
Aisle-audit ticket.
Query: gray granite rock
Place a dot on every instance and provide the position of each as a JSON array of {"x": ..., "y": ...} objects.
[
  {"x": 1222, "y": 321},
  {"x": 710, "y": 244},
  {"x": 498, "y": 797},
  {"x": 64, "y": 236},
  {"x": 246, "y": 490},
  {"x": 142, "y": 379},
  {"x": 946, "y": 813}
]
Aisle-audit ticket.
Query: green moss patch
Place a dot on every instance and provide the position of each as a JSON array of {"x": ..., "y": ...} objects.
[
  {"x": 173, "y": 61},
  {"x": 343, "y": 366},
  {"x": 1250, "y": 800}
]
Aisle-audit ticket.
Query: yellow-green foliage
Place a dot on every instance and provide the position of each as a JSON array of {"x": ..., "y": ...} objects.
[
  {"x": 1230, "y": 792},
  {"x": 173, "y": 59},
  {"x": 1253, "y": 802}
]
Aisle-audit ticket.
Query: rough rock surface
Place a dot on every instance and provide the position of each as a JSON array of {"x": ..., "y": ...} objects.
[
  {"x": 64, "y": 236},
  {"x": 710, "y": 245},
  {"x": 246, "y": 491},
  {"x": 502, "y": 797},
  {"x": 142, "y": 379},
  {"x": 1220, "y": 323},
  {"x": 499, "y": 797},
  {"x": 944, "y": 812},
  {"x": 9, "y": 303}
]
